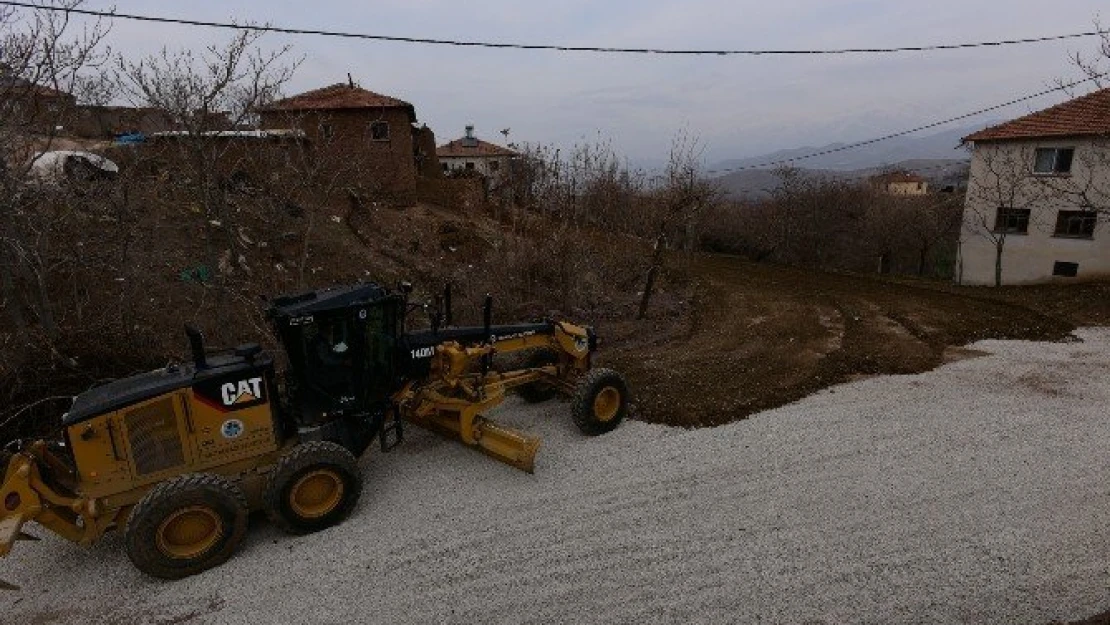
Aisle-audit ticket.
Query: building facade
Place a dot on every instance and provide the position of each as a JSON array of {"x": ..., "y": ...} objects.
[
  {"x": 366, "y": 137},
  {"x": 469, "y": 153},
  {"x": 900, "y": 183},
  {"x": 1038, "y": 197}
]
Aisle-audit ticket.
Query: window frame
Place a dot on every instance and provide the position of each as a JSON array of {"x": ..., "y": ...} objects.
[
  {"x": 1008, "y": 212},
  {"x": 327, "y": 131},
  {"x": 379, "y": 123},
  {"x": 1056, "y": 153},
  {"x": 1088, "y": 221}
]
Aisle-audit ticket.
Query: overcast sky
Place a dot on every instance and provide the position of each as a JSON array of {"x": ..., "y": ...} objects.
[{"x": 736, "y": 106}]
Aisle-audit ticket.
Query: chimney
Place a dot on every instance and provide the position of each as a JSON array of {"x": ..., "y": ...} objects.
[
  {"x": 350, "y": 81},
  {"x": 470, "y": 141}
]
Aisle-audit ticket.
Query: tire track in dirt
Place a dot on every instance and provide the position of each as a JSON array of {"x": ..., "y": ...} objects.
[{"x": 761, "y": 336}]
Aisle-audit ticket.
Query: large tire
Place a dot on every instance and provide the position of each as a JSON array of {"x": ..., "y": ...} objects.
[
  {"x": 600, "y": 401},
  {"x": 315, "y": 485},
  {"x": 536, "y": 392},
  {"x": 186, "y": 525}
]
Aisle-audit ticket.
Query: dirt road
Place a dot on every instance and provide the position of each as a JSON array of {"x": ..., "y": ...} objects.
[
  {"x": 761, "y": 336},
  {"x": 975, "y": 493}
]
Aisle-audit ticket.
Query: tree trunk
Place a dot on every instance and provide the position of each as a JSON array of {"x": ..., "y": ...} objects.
[
  {"x": 649, "y": 284},
  {"x": 998, "y": 264}
]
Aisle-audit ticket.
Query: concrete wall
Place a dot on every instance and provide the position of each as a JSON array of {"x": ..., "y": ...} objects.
[{"x": 1002, "y": 176}]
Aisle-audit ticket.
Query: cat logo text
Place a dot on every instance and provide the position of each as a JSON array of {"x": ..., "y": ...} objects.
[{"x": 242, "y": 392}]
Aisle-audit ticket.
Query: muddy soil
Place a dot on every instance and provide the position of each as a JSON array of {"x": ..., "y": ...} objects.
[{"x": 760, "y": 336}]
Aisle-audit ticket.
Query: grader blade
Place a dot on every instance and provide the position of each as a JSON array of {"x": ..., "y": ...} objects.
[
  {"x": 510, "y": 446},
  {"x": 507, "y": 445}
]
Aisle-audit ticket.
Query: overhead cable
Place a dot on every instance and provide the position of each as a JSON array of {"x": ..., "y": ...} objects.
[{"x": 266, "y": 28}]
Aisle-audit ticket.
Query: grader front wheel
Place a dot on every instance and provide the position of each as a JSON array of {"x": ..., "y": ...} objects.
[
  {"x": 186, "y": 525},
  {"x": 315, "y": 485},
  {"x": 600, "y": 401}
]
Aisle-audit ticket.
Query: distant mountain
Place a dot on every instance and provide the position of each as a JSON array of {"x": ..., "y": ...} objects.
[
  {"x": 754, "y": 184},
  {"x": 938, "y": 146}
]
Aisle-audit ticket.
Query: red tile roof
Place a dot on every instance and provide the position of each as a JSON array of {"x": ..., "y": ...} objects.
[
  {"x": 481, "y": 148},
  {"x": 1083, "y": 116},
  {"x": 334, "y": 97}
]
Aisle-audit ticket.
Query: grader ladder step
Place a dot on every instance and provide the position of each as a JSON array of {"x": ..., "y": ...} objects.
[{"x": 392, "y": 435}]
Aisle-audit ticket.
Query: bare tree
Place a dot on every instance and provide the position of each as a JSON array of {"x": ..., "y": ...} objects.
[
  {"x": 999, "y": 198},
  {"x": 1096, "y": 65},
  {"x": 209, "y": 95},
  {"x": 46, "y": 64},
  {"x": 682, "y": 196}
]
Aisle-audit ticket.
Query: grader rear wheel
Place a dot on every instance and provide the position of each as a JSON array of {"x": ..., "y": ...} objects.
[
  {"x": 314, "y": 486},
  {"x": 186, "y": 525},
  {"x": 600, "y": 401}
]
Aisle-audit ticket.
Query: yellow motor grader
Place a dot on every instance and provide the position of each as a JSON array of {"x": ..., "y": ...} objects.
[{"x": 176, "y": 458}]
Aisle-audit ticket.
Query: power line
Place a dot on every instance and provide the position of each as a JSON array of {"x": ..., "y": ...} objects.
[
  {"x": 553, "y": 47},
  {"x": 894, "y": 135}
]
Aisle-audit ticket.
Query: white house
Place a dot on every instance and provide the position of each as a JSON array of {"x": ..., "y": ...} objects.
[
  {"x": 471, "y": 153},
  {"x": 900, "y": 183},
  {"x": 1039, "y": 197}
]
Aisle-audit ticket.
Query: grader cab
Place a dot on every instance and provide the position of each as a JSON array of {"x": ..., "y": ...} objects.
[{"x": 176, "y": 458}]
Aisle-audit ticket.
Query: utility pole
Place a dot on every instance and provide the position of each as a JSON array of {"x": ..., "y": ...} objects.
[{"x": 511, "y": 195}]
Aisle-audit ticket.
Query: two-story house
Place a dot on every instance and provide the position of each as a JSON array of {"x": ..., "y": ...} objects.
[
  {"x": 1039, "y": 196},
  {"x": 469, "y": 153},
  {"x": 367, "y": 137}
]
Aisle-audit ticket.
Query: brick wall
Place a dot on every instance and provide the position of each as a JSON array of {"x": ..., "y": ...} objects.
[{"x": 375, "y": 165}]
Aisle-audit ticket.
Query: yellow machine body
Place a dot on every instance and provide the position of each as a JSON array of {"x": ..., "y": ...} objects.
[{"x": 124, "y": 439}]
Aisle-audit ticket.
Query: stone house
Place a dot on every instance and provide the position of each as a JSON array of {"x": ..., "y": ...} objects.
[
  {"x": 1039, "y": 196},
  {"x": 469, "y": 153},
  {"x": 367, "y": 137}
]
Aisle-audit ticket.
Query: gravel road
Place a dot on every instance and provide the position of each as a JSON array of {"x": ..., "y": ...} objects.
[{"x": 975, "y": 493}]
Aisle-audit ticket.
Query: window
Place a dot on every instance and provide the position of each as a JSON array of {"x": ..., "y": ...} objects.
[
  {"x": 1012, "y": 220},
  {"x": 326, "y": 131},
  {"x": 470, "y": 164},
  {"x": 1052, "y": 160},
  {"x": 494, "y": 165},
  {"x": 1068, "y": 270},
  {"x": 379, "y": 131},
  {"x": 446, "y": 167},
  {"x": 1076, "y": 224}
]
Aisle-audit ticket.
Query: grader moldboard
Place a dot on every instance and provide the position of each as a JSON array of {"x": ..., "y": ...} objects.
[{"x": 178, "y": 457}]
